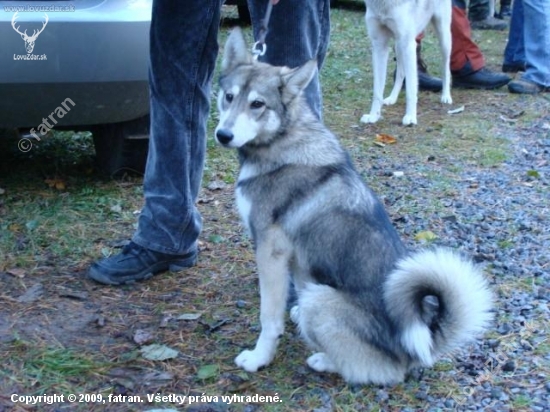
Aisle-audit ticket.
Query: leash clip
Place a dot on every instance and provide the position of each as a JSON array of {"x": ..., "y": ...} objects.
[{"x": 259, "y": 48}]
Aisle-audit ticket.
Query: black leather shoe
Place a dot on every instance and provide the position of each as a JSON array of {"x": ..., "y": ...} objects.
[
  {"x": 505, "y": 11},
  {"x": 481, "y": 79},
  {"x": 513, "y": 67},
  {"x": 425, "y": 81},
  {"x": 523, "y": 86},
  {"x": 136, "y": 263},
  {"x": 429, "y": 83},
  {"x": 490, "y": 23}
]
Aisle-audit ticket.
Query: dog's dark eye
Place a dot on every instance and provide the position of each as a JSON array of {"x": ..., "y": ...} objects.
[
  {"x": 257, "y": 104},
  {"x": 228, "y": 97}
]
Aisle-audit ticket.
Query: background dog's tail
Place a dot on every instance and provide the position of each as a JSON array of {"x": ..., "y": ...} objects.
[{"x": 440, "y": 302}]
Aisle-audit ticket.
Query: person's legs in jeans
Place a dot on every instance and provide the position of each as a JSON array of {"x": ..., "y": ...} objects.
[
  {"x": 514, "y": 52},
  {"x": 536, "y": 35},
  {"x": 536, "y": 31},
  {"x": 183, "y": 55},
  {"x": 298, "y": 31}
]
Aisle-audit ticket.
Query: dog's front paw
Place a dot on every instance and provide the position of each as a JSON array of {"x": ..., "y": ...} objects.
[
  {"x": 370, "y": 118},
  {"x": 321, "y": 363},
  {"x": 409, "y": 120},
  {"x": 252, "y": 360}
]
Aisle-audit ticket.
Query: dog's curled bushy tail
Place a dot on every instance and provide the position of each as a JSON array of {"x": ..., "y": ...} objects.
[{"x": 440, "y": 301}]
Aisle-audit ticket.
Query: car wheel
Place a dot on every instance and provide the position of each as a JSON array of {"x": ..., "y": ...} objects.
[{"x": 121, "y": 148}]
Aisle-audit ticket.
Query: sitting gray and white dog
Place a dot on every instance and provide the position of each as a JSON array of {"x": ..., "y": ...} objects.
[{"x": 370, "y": 309}]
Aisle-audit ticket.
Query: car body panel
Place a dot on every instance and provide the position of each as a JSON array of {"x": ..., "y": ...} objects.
[{"x": 96, "y": 55}]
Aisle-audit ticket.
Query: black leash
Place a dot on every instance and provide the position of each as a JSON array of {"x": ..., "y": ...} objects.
[{"x": 259, "y": 48}]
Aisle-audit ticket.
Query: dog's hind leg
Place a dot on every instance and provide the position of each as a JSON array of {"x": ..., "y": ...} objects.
[
  {"x": 273, "y": 252},
  {"x": 406, "y": 47},
  {"x": 379, "y": 36},
  {"x": 340, "y": 332},
  {"x": 398, "y": 84}
]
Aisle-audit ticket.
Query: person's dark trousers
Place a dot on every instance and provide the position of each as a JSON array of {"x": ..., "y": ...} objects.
[
  {"x": 464, "y": 49},
  {"x": 478, "y": 10}
]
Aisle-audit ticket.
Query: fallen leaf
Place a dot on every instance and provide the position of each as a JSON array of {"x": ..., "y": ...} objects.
[
  {"x": 426, "y": 236},
  {"x": 216, "y": 239},
  {"x": 156, "y": 352},
  {"x": 207, "y": 371},
  {"x": 14, "y": 227},
  {"x": 17, "y": 272},
  {"x": 31, "y": 224},
  {"x": 142, "y": 336},
  {"x": 56, "y": 183},
  {"x": 385, "y": 138}
]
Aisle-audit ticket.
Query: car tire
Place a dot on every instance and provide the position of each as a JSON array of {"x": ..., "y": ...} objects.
[{"x": 121, "y": 148}]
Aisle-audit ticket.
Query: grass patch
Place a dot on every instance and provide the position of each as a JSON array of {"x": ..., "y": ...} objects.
[{"x": 51, "y": 369}]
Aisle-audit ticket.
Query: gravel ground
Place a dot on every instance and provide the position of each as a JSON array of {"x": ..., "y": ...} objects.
[{"x": 501, "y": 217}]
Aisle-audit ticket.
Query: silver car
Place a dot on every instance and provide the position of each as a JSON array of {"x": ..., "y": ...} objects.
[{"x": 80, "y": 65}]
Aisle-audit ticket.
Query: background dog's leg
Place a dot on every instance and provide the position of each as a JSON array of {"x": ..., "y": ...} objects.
[
  {"x": 442, "y": 26},
  {"x": 399, "y": 77},
  {"x": 407, "y": 50},
  {"x": 272, "y": 255},
  {"x": 379, "y": 36}
]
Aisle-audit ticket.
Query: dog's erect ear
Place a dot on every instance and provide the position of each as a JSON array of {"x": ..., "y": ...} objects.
[
  {"x": 235, "y": 51},
  {"x": 296, "y": 80}
]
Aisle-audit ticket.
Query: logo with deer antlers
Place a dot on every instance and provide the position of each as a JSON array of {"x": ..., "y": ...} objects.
[{"x": 29, "y": 40}]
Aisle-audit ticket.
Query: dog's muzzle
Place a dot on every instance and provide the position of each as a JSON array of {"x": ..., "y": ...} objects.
[{"x": 224, "y": 136}]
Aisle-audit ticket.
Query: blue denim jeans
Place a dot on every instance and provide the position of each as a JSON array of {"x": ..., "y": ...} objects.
[
  {"x": 529, "y": 39},
  {"x": 184, "y": 48}
]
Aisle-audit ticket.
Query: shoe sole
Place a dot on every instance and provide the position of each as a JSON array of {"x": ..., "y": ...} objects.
[
  {"x": 176, "y": 266},
  {"x": 476, "y": 87}
]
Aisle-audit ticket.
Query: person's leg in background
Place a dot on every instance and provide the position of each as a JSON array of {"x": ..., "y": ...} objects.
[
  {"x": 467, "y": 61},
  {"x": 479, "y": 16},
  {"x": 536, "y": 34},
  {"x": 505, "y": 9},
  {"x": 514, "y": 52},
  {"x": 298, "y": 31}
]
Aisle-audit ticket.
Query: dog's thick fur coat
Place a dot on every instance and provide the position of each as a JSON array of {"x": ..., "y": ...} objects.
[
  {"x": 371, "y": 309},
  {"x": 404, "y": 20}
]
